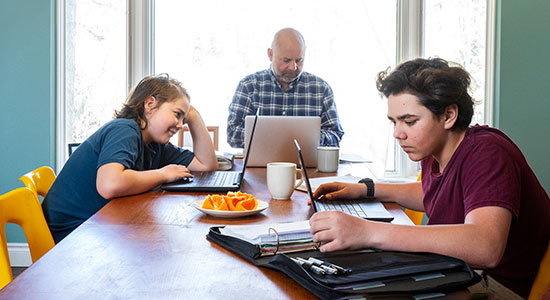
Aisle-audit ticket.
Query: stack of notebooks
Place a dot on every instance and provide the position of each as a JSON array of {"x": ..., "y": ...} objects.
[
  {"x": 271, "y": 239},
  {"x": 369, "y": 273}
]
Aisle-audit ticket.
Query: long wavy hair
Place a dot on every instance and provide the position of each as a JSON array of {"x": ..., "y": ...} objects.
[{"x": 162, "y": 87}]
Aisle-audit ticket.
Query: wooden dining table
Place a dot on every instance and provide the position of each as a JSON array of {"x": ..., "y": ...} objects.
[{"x": 153, "y": 246}]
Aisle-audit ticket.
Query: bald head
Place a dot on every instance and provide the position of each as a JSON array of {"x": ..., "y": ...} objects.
[
  {"x": 288, "y": 37},
  {"x": 287, "y": 55}
]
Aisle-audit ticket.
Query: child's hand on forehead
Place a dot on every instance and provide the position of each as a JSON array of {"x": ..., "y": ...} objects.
[{"x": 190, "y": 115}]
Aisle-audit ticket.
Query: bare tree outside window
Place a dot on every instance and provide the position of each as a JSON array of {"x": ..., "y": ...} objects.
[
  {"x": 219, "y": 42},
  {"x": 456, "y": 31},
  {"x": 210, "y": 45},
  {"x": 95, "y": 73}
]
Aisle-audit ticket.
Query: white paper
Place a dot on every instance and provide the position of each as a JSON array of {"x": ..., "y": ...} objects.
[
  {"x": 255, "y": 233},
  {"x": 353, "y": 158},
  {"x": 317, "y": 181}
]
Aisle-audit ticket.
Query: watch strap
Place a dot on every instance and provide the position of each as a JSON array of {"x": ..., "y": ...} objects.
[{"x": 370, "y": 187}]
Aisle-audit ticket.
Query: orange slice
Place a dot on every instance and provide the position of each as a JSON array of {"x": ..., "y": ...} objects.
[
  {"x": 222, "y": 205},
  {"x": 208, "y": 203},
  {"x": 216, "y": 200},
  {"x": 248, "y": 204},
  {"x": 232, "y": 202}
]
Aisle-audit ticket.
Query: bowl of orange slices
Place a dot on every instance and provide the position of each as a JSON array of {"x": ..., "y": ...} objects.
[{"x": 230, "y": 205}]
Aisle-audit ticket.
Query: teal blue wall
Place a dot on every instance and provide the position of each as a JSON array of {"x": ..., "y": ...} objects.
[
  {"x": 27, "y": 92},
  {"x": 522, "y": 87},
  {"x": 27, "y": 86}
]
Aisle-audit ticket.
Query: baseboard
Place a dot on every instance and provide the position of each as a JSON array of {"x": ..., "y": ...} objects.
[{"x": 19, "y": 253}]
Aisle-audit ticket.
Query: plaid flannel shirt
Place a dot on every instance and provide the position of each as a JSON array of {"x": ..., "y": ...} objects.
[{"x": 308, "y": 95}]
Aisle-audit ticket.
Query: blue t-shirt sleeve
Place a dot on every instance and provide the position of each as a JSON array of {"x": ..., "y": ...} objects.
[
  {"x": 175, "y": 155},
  {"x": 120, "y": 144}
]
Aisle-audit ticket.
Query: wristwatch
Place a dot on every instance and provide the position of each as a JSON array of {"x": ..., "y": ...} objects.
[{"x": 370, "y": 187}]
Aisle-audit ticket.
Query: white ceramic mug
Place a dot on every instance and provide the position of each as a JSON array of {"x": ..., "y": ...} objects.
[
  {"x": 281, "y": 179},
  {"x": 328, "y": 158}
]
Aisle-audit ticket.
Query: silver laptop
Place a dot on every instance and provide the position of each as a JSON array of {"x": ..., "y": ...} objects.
[
  {"x": 217, "y": 181},
  {"x": 367, "y": 209},
  {"x": 274, "y": 139}
]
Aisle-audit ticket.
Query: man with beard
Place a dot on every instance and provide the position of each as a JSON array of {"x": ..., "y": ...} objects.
[{"x": 284, "y": 90}]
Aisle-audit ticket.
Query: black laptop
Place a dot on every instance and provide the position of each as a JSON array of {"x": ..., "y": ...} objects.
[
  {"x": 216, "y": 181},
  {"x": 367, "y": 209}
]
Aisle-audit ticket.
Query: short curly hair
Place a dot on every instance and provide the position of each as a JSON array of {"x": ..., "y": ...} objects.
[{"x": 436, "y": 84}]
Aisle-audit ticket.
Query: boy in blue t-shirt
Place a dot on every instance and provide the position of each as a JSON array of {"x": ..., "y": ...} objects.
[{"x": 129, "y": 155}]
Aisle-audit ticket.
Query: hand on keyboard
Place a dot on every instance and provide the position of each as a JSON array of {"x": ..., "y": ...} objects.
[{"x": 340, "y": 190}]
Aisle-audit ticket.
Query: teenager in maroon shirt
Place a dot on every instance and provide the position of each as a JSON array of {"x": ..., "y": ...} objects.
[{"x": 483, "y": 201}]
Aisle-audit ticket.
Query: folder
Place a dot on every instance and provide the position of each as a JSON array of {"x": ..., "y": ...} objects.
[{"x": 373, "y": 272}]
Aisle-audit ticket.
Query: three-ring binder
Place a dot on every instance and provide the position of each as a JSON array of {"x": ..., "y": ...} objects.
[{"x": 277, "y": 239}]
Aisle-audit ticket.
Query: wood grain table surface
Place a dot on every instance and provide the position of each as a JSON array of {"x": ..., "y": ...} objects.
[{"x": 153, "y": 246}]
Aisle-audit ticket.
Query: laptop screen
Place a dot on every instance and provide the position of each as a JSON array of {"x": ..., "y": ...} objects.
[
  {"x": 304, "y": 173},
  {"x": 274, "y": 136},
  {"x": 249, "y": 144},
  {"x": 363, "y": 208}
]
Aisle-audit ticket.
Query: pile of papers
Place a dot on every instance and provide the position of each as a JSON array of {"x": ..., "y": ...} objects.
[{"x": 271, "y": 238}]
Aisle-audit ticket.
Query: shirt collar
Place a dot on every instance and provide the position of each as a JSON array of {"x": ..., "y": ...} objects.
[{"x": 290, "y": 85}]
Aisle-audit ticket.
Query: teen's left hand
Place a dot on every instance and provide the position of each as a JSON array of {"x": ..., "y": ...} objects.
[
  {"x": 339, "y": 190},
  {"x": 336, "y": 230}
]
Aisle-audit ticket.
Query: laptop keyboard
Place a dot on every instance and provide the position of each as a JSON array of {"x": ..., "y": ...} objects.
[
  {"x": 351, "y": 207},
  {"x": 219, "y": 178}
]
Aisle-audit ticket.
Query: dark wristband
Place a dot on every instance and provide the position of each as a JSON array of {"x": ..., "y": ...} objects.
[{"x": 370, "y": 187}]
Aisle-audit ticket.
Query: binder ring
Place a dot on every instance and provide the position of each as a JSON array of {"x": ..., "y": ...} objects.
[{"x": 277, "y": 238}]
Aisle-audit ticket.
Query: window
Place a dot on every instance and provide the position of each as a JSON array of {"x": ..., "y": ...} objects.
[
  {"x": 456, "y": 31},
  {"x": 219, "y": 43},
  {"x": 92, "y": 68},
  {"x": 460, "y": 32},
  {"x": 210, "y": 45}
]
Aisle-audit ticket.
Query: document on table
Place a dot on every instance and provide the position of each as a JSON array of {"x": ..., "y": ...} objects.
[
  {"x": 317, "y": 181},
  {"x": 270, "y": 239},
  {"x": 353, "y": 158},
  {"x": 266, "y": 233}
]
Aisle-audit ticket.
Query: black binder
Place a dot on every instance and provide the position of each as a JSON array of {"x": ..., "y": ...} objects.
[{"x": 374, "y": 273}]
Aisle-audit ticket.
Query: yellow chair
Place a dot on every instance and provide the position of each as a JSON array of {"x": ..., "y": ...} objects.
[
  {"x": 541, "y": 286},
  {"x": 39, "y": 180},
  {"x": 20, "y": 207},
  {"x": 415, "y": 216}
]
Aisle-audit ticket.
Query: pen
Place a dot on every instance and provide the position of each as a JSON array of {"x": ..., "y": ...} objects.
[
  {"x": 308, "y": 265},
  {"x": 325, "y": 266},
  {"x": 330, "y": 265}
]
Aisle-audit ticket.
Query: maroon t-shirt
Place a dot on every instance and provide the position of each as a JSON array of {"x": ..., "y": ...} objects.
[{"x": 488, "y": 169}]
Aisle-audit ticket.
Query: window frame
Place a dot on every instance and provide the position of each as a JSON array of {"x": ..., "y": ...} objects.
[{"x": 140, "y": 58}]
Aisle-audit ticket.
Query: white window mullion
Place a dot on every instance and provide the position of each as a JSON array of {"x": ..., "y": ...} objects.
[
  {"x": 60, "y": 88},
  {"x": 490, "y": 63},
  {"x": 410, "y": 28},
  {"x": 140, "y": 40}
]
